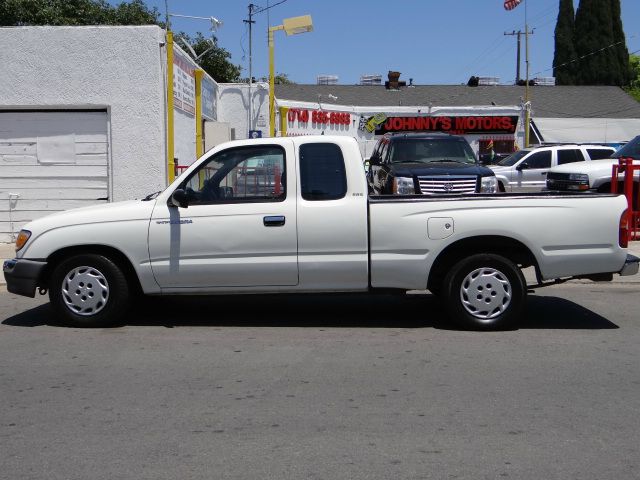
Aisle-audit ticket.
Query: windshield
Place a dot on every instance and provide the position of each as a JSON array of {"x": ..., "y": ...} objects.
[
  {"x": 513, "y": 158},
  {"x": 631, "y": 149},
  {"x": 421, "y": 150}
]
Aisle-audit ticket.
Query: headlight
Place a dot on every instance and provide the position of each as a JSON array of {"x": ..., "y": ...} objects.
[
  {"x": 23, "y": 236},
  {"x": 579, "y": 177},
  {"x": 403, "y": 186},
  {"x": 488, "y": 185}
]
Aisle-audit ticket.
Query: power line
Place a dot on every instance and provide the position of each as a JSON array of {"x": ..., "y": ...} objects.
[{"x": 587, "y": 55}]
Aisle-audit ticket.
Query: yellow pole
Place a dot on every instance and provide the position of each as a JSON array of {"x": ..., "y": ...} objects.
[
  {"x": 272, "y": 100},
  {"x": 283, "y": 121},
  {"x": 199, "y": 147},
  {"x": 171, "y": 170}
]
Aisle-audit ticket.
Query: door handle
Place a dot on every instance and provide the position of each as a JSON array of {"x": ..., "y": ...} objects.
[{"x": 274, "y": 221}]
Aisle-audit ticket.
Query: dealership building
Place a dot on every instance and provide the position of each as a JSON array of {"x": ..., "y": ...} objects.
[{"x": 100, "y": 114}]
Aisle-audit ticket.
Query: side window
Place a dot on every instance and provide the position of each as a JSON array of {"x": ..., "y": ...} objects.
[
  {"x": 249, "y": 174},
  {"x": 598, "y": 153},
  {"x": 322, "y": 172},
  {"x": 540, "y": 160},
  {"x": 569, "y": 156}
]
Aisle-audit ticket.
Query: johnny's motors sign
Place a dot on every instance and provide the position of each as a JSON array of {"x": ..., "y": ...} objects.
[{"x": 450, "y": 124}]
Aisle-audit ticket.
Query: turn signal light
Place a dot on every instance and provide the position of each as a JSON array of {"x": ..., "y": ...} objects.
[{"x": 23, "y": 236}]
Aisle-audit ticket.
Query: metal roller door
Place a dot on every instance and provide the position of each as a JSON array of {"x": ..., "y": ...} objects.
[{"x": 50, "y": 161}]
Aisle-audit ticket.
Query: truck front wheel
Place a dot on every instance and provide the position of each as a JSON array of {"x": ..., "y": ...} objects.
[
  {"x": 89, "y": 290},
  {"x": 485, "y": 292}
]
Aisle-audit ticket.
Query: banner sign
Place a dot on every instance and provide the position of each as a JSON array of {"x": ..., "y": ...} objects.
[
  {"x": 460, "y": 125},
  {"x": 184, "y": 97},
  {"x": 208, "y": 99}
]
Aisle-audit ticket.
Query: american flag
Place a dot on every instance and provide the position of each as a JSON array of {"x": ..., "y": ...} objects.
[{"x": 511, "y": 4}]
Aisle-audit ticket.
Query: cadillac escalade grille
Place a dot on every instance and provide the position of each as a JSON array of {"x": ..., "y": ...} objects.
[{"x": 447, "y": 184}]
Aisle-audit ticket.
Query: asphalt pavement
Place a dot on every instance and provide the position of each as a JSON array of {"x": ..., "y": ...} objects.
[{"x": 323, "y": 387}]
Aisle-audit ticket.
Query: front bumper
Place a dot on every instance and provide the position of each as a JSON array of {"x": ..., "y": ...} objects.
[
  {"x": 630, "y": 266},
  {"x": 22, "y": 275}
]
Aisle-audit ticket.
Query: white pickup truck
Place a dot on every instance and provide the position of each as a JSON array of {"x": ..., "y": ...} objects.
[{"x": 279, "y": 215}]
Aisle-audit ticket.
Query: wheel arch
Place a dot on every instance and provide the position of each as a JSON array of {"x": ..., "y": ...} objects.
[
  {"x": 507, "y": 247},
  {"x": 112, "y": 253}
]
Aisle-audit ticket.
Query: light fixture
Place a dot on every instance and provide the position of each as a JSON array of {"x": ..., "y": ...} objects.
[{"x": 291, "y": 26}]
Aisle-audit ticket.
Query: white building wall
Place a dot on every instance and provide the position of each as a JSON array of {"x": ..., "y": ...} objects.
[
  {"x": 233, "y": 107},
  {"x": 117, "y": 68}
]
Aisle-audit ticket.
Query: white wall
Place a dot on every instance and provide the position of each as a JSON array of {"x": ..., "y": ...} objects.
[
  {"x": 118, "y": 68},
  {"x": 233, "y": 107}
]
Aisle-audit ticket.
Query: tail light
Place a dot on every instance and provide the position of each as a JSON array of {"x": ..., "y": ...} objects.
[{"x": 623, "y": 232}]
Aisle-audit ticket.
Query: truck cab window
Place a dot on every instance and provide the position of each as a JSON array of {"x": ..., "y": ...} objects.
[
  {"x": 253, "y": 174},
  {"x": 322, "y": 172}
]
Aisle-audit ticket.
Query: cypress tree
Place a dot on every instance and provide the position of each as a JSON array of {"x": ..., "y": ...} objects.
[
  {"x": 620, "y": 50},
  {"x": 593, "y": 32},
  {"x": 565, "y": 52},
  {"x": 596, "y": 30}
]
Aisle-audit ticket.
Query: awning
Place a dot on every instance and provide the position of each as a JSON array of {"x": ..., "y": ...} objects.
[{"x": 587, "y": 130}]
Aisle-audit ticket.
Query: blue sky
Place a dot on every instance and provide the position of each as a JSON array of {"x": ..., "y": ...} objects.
[{"x": 431, "y": 41}]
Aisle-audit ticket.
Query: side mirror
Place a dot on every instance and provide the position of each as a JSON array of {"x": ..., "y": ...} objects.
[
  {"x": 179, "y": 198},
  {"x": 522, "y": 166},
  {"x": 374, "y": 161}
]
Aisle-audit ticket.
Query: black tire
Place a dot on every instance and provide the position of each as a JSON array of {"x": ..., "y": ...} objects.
[
  {"x": 89, "y": 290},
  {"x": 499, "y": 292}
]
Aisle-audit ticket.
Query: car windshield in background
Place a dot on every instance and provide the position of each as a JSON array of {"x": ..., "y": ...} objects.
[
  {"x": 513, "y": 158},
  {"x": 631, "y": 149},
  {"x": 428, "y": 151}
]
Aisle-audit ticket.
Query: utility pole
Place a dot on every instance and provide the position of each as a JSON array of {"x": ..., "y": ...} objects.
[
  {"x": 519, "y": 33},
  {"x": 250, "y": 22}
]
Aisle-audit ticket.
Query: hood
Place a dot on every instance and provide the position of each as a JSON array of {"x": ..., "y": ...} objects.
[
  {"x": 101, "y": 213},
  {"x": 439, "y": 168},
  {"x": 498, "y": 169},
  {"x": 588, "y": 167}
]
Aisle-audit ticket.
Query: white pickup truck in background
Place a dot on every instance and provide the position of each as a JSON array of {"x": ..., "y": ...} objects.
[
  {"x": 595, "y": 176},
  {"x": 283, "y": 215}
]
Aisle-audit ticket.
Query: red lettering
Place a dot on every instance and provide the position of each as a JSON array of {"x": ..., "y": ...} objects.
[
  {"x": 304, "y": 116},
  {"x": 446, "y": 123},
  {"x": 461, "y": 123}
]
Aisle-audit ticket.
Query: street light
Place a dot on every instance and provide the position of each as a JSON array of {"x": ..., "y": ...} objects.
[{"x": 291, "y": 26}]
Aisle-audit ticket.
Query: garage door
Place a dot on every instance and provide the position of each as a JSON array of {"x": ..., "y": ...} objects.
[{"x": 50, "y": 161}]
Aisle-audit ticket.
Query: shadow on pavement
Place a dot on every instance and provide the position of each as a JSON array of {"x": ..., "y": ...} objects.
[{"x": 339, "y": 310}]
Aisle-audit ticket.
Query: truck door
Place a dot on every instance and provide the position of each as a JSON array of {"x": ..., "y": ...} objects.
[
  {"x": 239, "y": 229},
  {"x": 332, "y": 217},
  {"x": 534, "y": 177}
]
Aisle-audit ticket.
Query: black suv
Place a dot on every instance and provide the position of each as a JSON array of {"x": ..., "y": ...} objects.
[{"x": 428, "y": 164}]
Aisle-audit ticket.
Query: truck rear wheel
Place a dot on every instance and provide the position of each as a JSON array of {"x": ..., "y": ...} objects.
[
  {"x": 89, "y": 290},
  {"x": 485, "y": 292}
]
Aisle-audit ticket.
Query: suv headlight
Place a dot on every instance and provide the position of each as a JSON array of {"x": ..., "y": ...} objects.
[
  {"x": 488, "y": 185},
  {"x": 403, "y": 186}
]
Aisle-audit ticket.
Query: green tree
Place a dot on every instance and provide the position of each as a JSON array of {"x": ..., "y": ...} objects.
[
  {"x": 213, "y": 59},
  {"x": 634, "y": 85},
  {"x": 565, "y": 52},
  {"x": 600, "y": 45},
  {"x": 75, "y": 12}
]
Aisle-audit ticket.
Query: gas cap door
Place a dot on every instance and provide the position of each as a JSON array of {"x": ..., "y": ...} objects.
[{"x": 439, "y": 227}]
